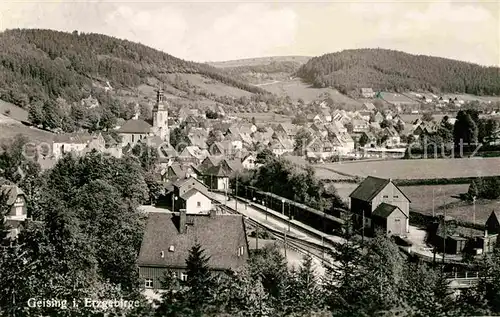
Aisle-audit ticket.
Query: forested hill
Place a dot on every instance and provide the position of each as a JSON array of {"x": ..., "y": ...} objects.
[
  {"x": 391, "y": 70},
  {"x": 46, "y": 64}
]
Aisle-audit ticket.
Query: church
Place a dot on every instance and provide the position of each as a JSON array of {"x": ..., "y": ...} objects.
[{"x": 136, "y": 129}]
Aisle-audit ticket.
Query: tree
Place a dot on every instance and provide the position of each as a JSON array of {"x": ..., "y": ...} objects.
[
  {"x": 363, "y": 140},
  {"x": 305, "y": 296},
  {"x": 465, "y": 129},
  {"x": 265, "y": 156},
  {"x": 302, "y": 139},
  {"x": 433, "y": 296},
  {"x": 179, "y": 139},
  {"x": 200, "y": 281}
]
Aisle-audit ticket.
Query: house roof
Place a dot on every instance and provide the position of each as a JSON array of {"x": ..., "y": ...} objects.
[
  {"x": 385, "y": 210},
  {"x": 234, "y": 165},
  {"x": 11, "y": 191},
  {"x": 369, "y": 188},
  {"x": 192, "y": 192},
  {"x": 135, "y": 126},
  {"x": 217, "y": 170},
  {"x": 74, "y": 138},
  {"x": 220, "y": 245},
  {"x": 369, "y": 106},
  {"x": 179, "y": 170}
]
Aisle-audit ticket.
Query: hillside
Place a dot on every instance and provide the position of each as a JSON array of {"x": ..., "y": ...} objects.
[
  {"x": 49, "y": 72},
  {"x": 391, "y": 70},
  {"x": 263, "y": 70}
]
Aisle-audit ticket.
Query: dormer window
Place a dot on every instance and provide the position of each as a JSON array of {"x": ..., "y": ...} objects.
[
  {"x": 171, "y": 249},
  {"x": 19, "y": 200},
  {"x": 386, "y": 196}
]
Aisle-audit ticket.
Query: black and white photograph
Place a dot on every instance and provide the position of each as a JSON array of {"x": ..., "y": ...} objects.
[{"x": 249, "y": 158}]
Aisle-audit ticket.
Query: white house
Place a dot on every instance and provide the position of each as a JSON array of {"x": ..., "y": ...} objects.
[
  {"x": 192, "y": 195},
  {"x": 248, "y": 162}
]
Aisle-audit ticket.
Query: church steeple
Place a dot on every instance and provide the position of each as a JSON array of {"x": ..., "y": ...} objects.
[
  {"x": 159, "y": 99},
  {"x": 160, "y": 115}
]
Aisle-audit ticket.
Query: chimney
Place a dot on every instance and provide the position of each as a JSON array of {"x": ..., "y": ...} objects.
[{"x": 182, "y": 221}]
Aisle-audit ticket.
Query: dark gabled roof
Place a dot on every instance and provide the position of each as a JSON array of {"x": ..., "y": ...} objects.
[
  {"x": 192, "y": 192},
  {"x": 234, "y": 165},
  {"x": 220, "y": 245},
  {"x": 385, "y": 210},
  {"x": 217, "y": 170},
  {"x": 11, "y": 191},
  {"x": 178, "y": 170},
  {"x": 369, "y": 188},
  {"x": 182, "y": 182},
  {"x": 135, "y": 126}
]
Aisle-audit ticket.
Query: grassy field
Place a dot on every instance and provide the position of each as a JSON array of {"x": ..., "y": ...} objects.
[
  {"x": 16, "y": 112},
  {"x": 465, "y": 210},
  {"x": 296, "y": 89},
  {"x": 260, "y": 61},
  {"x": 212, "y": 86},
  {"x": 397, "y": 98},
  {"x": 9, "y": 129},
  {"x": 418, "y": 169}
]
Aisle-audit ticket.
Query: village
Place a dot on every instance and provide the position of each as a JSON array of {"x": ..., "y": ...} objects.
[
  {"x": 196, "y": 180},
  {"x": 234, "y": 159}
]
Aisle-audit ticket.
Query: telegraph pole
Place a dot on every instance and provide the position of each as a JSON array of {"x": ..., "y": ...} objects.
[
  {"x": 444, "y": 239},
  {"x": 236, "y": 195},
  {"x": 257, "y": 237},
  {"x": 285, "y": 242}
]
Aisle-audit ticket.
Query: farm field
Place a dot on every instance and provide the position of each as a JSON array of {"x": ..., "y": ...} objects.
[
  {"x": 296, "y": 89},
  {"x": 10, "y": 128},
  {"x": 419, "y": 169},
  {"x": 326, "y": 173},
  {"x": 421, "y": 196},
  {"x": 410, "y": 118},
  {"x": 16, "y": 113},
  {"x": 464, "y": 210},
  {"x": 397, "y": 98},
  {"x": 212, "y": 86},
  {"x": 260, "y": 61}
]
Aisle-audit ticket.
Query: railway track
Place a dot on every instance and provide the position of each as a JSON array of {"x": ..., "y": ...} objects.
[{"x": 290, "y": 242}]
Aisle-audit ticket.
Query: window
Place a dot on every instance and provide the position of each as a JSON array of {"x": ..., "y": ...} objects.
[
  {"x": 148, "y": 283},
  {"x": 184, "y": 277},
  {"x": 241, "y": 251},
  {"x": 385, "y": 196},
  {"x": 198, "y": 204},
  {"x": 19, "y": 200},
  {"x": 396, "y": 196}
]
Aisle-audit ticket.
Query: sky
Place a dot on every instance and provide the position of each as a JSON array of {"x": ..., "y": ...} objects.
[{"x": 206, "y": 31}]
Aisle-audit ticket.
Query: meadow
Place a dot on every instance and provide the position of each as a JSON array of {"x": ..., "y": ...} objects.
[
  {"x": 296, "y": 89},
  {"x": 417, "y": 169},
  {"x": 12, "y": 111}
]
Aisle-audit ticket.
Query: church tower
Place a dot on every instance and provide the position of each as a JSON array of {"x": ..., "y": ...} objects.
[{"x": 160, "y": 116}]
